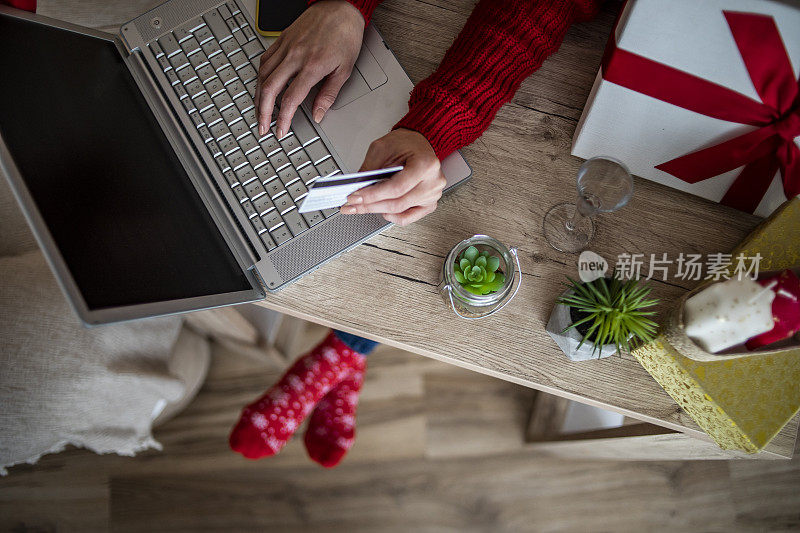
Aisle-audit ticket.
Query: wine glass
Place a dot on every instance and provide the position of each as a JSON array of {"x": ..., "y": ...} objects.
[{"x": 604, "y": 186}]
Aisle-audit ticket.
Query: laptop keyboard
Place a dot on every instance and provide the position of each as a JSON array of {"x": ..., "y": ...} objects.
[{"x": 212, "y": 63}]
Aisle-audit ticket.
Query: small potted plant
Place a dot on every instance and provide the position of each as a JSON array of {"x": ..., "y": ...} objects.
[
  {"x": 478, "y": 277},
  {"x": 477, "y": 271},
  {"x": 599, "y": 318}
]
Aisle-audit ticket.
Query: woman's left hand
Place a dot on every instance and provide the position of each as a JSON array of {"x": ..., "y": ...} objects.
[{"x": 410, "y": 194}]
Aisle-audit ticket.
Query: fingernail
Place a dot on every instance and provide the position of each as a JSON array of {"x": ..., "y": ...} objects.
[
  {"x": 354, "y": 199},
  {"x": 347, "y": 210},
  {"x": 318, "y": 114},
  {"x": 262, "y": 130},
  {"x": 279, "y": 132}
]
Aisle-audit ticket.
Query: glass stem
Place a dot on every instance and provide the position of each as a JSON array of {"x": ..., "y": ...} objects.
[{"x": 572, "y": 222}]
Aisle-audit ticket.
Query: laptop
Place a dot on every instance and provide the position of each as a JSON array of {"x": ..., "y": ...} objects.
[{"x": 137, "y": 161}]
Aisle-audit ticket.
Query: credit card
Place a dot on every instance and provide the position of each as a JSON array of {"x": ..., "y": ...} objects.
[{"x": 332, "y": 191}]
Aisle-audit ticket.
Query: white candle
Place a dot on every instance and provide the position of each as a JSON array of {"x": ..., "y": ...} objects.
[{"x": 728, "y": 313}]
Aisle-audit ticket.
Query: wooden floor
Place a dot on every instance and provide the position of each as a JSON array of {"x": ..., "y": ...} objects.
[{"x": 439, "y": 449}]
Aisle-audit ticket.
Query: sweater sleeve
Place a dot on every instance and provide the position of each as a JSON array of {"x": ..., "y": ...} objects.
[
  {"x": 366, "y": 7},
  {"x": 27, "y": 5},
  {"x": 502, "y": 43}
]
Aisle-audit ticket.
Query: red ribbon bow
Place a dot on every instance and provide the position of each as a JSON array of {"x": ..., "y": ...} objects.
[{"x": 762, "y": 151}]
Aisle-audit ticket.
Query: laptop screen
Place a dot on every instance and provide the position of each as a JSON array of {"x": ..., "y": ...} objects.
[{"x": 120, "y": 207}]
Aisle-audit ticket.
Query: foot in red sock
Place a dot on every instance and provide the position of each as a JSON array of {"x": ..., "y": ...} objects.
[
  {"x": 332, "y": 428},
  {"x": 268, "y": 423}
]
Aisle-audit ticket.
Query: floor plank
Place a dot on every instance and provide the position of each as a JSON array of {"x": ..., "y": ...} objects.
[
  {"x": 439, "y": 449},
  {"x": 766, "y": 505}
]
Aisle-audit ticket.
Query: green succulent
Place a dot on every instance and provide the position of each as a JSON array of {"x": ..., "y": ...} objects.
[
  {"x": 477, "y": 271},
  {"x": 615, "y": 310}
]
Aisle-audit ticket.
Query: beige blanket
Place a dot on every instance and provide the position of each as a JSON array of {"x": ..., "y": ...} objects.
[{"x": 61, "y": 383}]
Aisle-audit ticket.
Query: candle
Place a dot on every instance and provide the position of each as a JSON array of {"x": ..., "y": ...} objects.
[
  {"x": 785, "y": 310},
  {"x": 728, "y": 313}
]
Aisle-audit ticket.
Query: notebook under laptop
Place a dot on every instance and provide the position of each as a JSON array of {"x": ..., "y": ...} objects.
[{"x": 137, "y": 159}]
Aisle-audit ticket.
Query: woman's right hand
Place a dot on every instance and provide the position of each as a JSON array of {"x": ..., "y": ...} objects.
[{"x": 323, "y": 43}]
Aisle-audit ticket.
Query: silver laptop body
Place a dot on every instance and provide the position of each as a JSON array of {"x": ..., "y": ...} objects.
[{"x": 195, "y": 63}]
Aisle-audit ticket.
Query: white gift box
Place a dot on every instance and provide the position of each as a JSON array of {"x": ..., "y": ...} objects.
[{"x": 694, "y": 37}]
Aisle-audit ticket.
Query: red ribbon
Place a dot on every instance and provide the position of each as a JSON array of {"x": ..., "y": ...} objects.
[
  {"x": 27, "y": 5},
  {"x": 763, "y": 151}
]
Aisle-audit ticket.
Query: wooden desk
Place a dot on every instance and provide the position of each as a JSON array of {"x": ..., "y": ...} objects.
[{"x": 385, "y": 289}]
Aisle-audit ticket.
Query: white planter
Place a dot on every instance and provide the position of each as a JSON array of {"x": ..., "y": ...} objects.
[{"x": 569, "y": 340}]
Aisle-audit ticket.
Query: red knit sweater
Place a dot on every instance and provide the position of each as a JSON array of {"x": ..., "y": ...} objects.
[{"x": 503, "y": 42}]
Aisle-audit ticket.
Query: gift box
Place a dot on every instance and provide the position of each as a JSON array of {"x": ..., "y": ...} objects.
[
  {"x": 702, "y": 96},
  {"x": 741, "y": 403}
]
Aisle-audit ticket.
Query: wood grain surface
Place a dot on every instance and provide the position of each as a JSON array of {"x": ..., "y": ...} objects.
[
  {"x": 386, "y": 289},
  {"x": 438, "y": 449}
]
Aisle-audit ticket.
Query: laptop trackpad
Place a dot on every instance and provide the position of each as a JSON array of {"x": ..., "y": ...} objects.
[
  {"x": 367, "y": 76},
  {"x": 353, "y": 89}
]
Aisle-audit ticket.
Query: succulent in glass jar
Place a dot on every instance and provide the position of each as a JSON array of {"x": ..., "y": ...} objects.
[{"x": 477, "y": 271}]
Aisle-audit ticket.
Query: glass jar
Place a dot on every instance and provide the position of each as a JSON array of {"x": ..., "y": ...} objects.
[{"x": 474, "y": 306}]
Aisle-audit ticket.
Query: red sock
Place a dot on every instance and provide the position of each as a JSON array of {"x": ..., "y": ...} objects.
[
  {"x": 268, "y": 423},
  {"x": 332, "y": 428}
]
